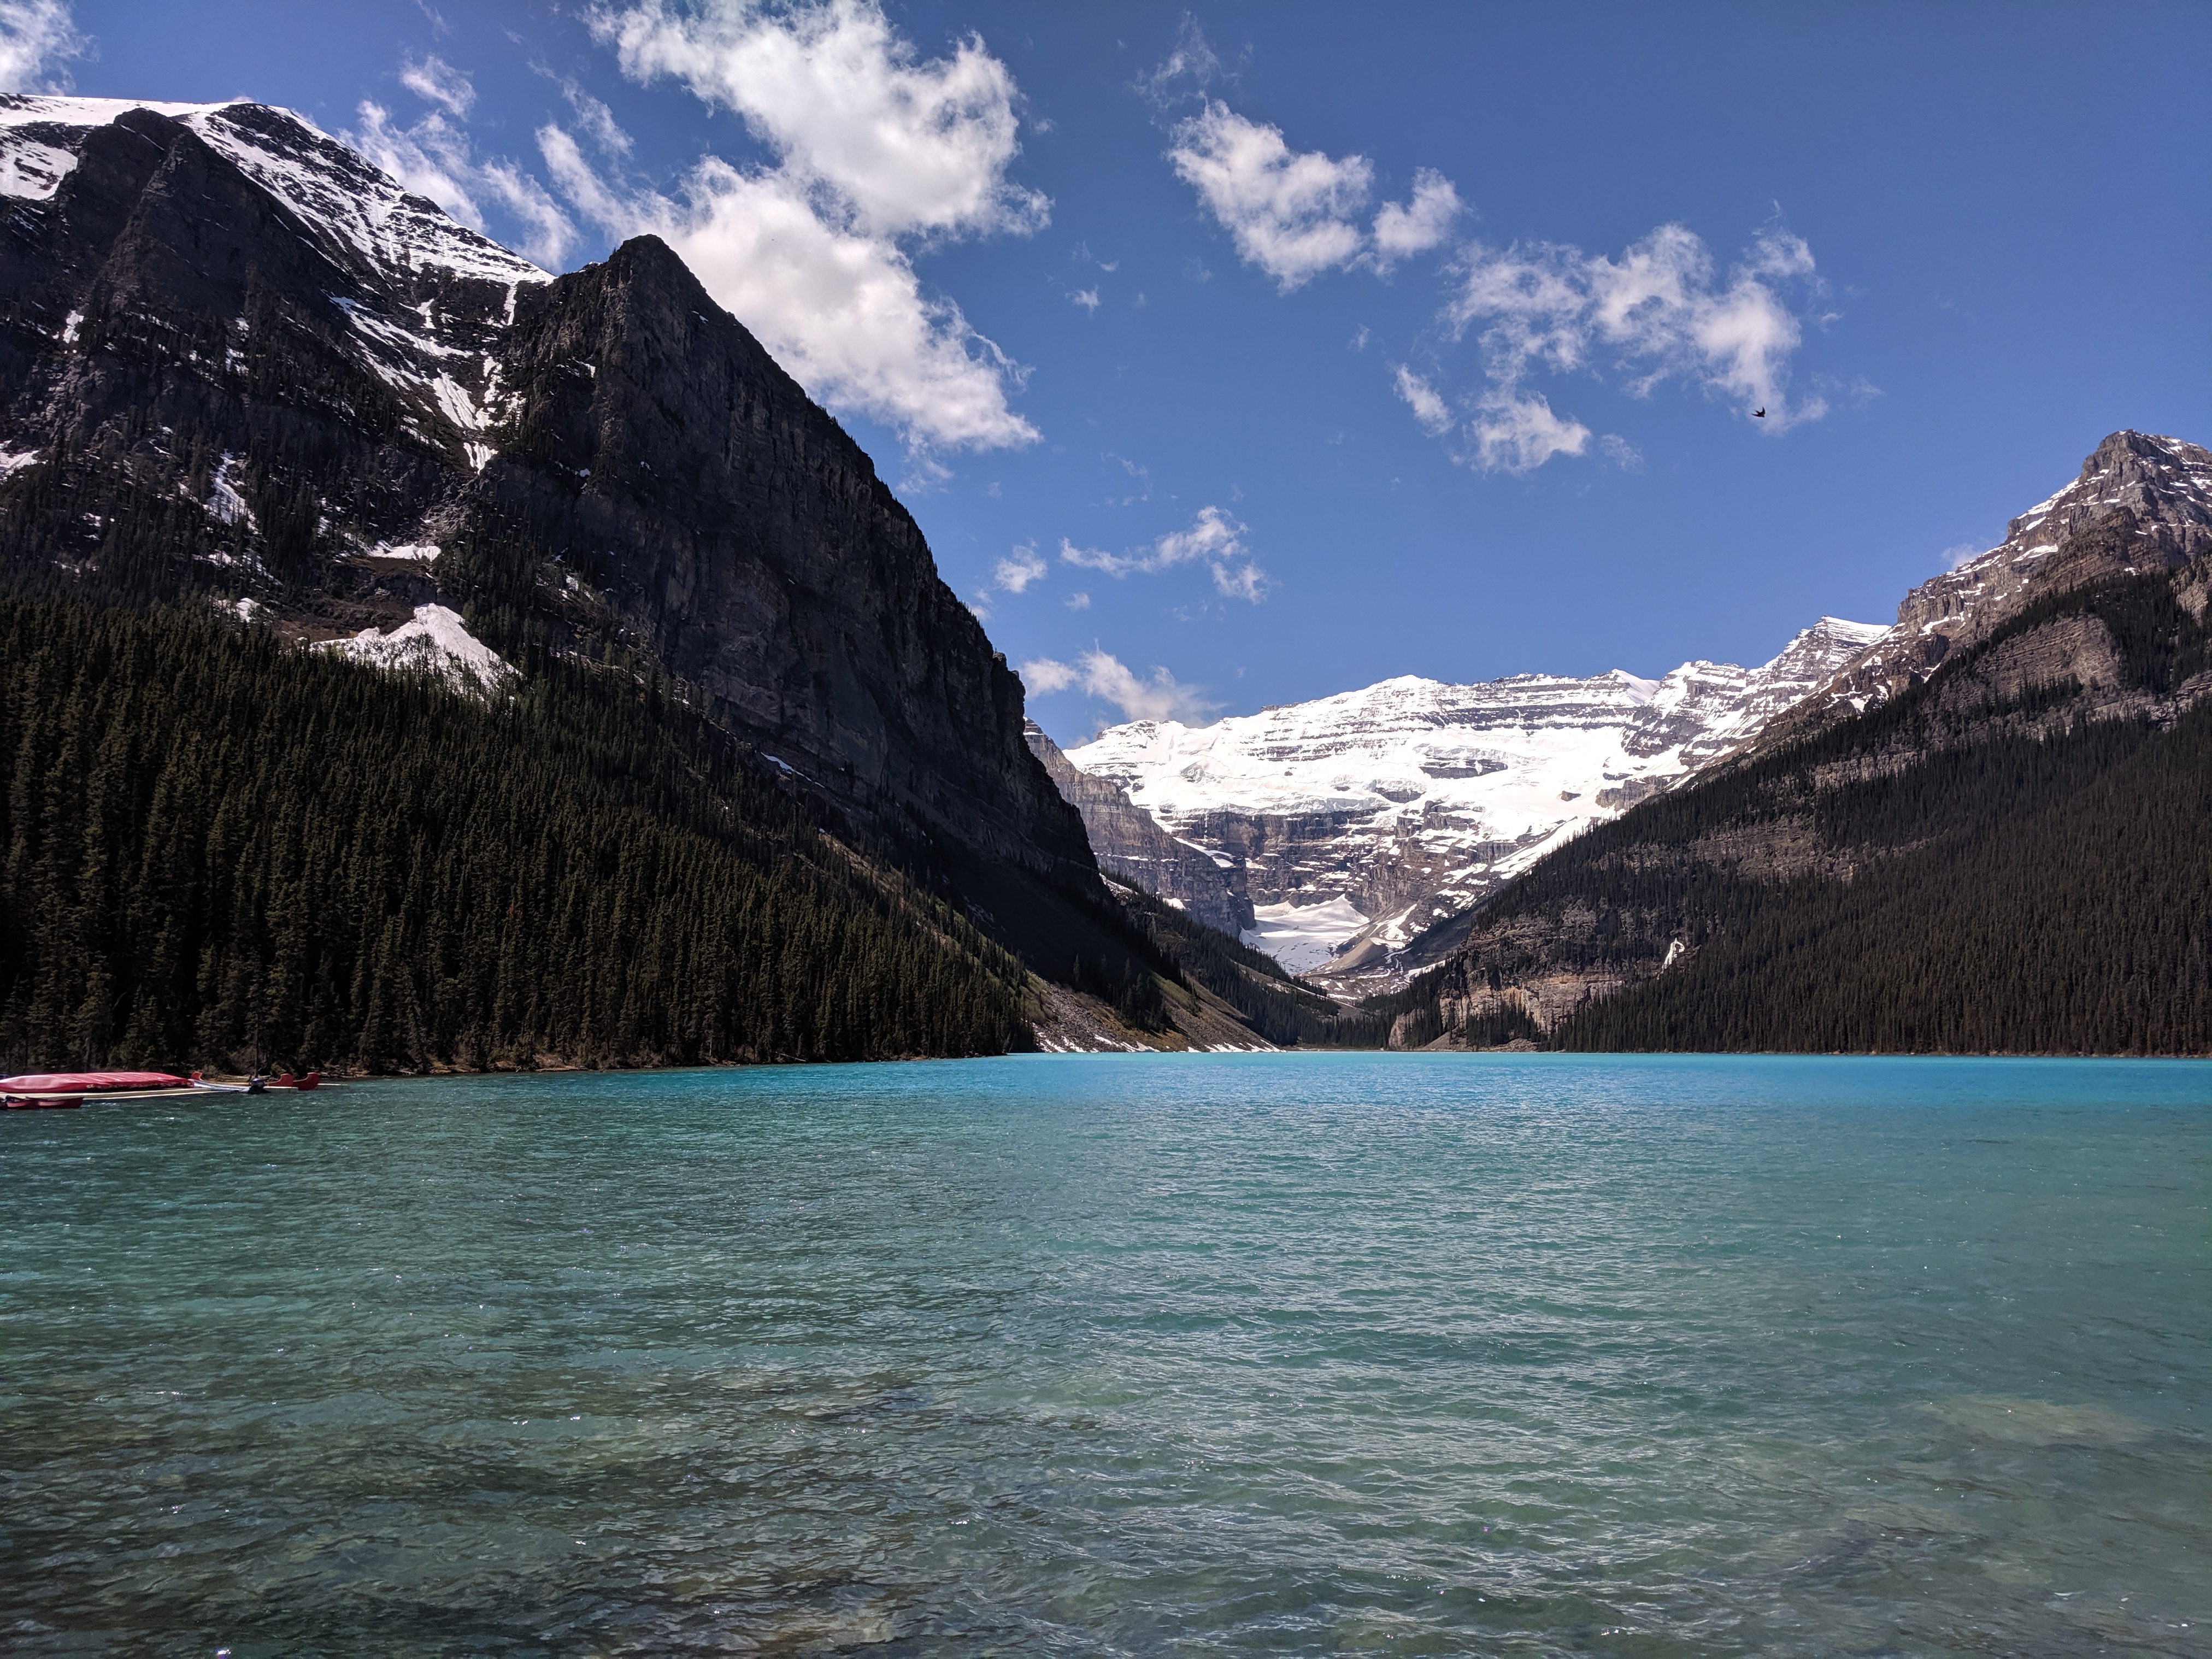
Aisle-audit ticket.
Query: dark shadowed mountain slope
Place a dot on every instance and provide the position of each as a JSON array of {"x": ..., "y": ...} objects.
[
  {"x": 2006, "y": 856},
  {"x": 239, "y": 365},
  {"x": 221, "y": 850}
]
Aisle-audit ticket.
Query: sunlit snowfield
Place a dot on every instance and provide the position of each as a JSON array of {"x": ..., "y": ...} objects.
[{"x": 1332, "y": 1354}]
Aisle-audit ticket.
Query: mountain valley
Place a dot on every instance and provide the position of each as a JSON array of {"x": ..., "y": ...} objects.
[{"x": 394, "y": 628}]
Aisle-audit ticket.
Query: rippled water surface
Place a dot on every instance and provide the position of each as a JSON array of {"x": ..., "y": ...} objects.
[{"x": 1325, "y": 1354}]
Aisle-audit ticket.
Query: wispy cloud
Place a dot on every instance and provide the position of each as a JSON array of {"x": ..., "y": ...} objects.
[
  {"x": 1402, "y": 232},
  {"x": 1085, "y": 297},
  {"x": 1517, "y": 431},
  {"x": 37, "y": 39},
  {"x": 436, "y": 81},
  {"x": 1101, "y": 675},
  {"x": 1289, "y": 213},
  {"x": 1296, "y": 214},
  {"x": 1019, "y": 569},
  {"x": 1214, "y": 538},
  {"x": 1187, "y": 70},
  {"x": 1661, "y": 310},
  {"x": 435, "y": 157},
  {"x": 1427, "y": 404}
]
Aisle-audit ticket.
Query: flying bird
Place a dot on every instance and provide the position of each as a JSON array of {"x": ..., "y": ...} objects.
[{"x": 1757, "y": 414}]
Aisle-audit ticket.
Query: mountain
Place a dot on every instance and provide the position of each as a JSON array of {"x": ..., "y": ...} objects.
[
  {"x": 1129, "y": 844},
  {"x": 1353, "y": 824},
  {"x": 343, "y": 405},
  {"x": 2163, "y": 484},
  {"x": 2000, "y": 852},
  {"x": 244, "y": 373}
]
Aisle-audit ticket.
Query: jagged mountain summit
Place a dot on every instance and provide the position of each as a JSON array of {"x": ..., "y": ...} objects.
[
  {"x": 2163, "y": 487},
  {"x": 422, "y": 296},
  {"x": 1354, "y": 822}
]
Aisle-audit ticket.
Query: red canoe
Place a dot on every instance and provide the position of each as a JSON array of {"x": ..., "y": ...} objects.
[
  {"x": 37, "y": 1089},
  {"x": 90, "y": 1082}
]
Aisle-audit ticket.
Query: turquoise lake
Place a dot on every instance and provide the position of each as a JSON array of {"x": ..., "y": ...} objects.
[{"x": 1356, "y": 1354}]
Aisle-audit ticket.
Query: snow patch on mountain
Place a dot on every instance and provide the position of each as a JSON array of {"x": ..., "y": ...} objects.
[
  {"x": 436, "y": 642},
  {"x": 357, "y": 205},
  {"x": 1303, "y": 936}
]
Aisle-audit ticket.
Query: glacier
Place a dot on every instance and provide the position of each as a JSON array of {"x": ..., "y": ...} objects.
[{"x": 1362, "y": 819}]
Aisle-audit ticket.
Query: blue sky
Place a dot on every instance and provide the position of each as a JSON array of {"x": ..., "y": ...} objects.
[{"x": 1244, "y": 354}]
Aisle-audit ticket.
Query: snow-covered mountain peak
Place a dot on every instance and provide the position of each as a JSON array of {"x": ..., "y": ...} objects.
[
  {"x": 1360, "y": 818},
  {"x": 359, "y": 211}
]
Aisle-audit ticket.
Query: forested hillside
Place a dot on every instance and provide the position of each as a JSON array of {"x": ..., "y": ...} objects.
[
  {"x": 220, "y": 849},
  {"x": 2009, "y": 857}
]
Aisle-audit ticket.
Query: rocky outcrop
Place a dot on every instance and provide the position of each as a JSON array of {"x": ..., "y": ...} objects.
[
  {"x": 2149, "y": 496},
  {"x": 1128, "y": 844}
]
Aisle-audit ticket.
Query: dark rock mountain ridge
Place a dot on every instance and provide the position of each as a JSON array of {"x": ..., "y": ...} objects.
[
  {"x": 2162, "y": 487},
  {"x": 241, "y": 363},
  {"x": 647, "y": 448}
]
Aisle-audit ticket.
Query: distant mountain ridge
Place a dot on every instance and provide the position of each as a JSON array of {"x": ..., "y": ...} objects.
[
  {"x": 1367, "y": 826},
  {"x": 1373, "y": 815},
  {"x": 2000, "y": 852}
]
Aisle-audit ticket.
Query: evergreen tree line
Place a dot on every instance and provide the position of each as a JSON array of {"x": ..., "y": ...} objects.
[
  {"x": 221, "y": 851},
  {"x": 2006, "y": 892}
]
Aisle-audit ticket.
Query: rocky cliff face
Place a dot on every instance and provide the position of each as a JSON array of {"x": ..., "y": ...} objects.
[
  {"x": 2164, "y": 486},
  {"x": 1130, "y": 844},
  {"x": 238, "y": 362},
  {"x": 647, "y": 450},
  {"x": 1361, "y": 820}
]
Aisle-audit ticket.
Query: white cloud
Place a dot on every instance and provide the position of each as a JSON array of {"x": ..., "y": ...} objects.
[
  {"x": 879, "y": 154},
  {"x": 908, "y": 145},
  {"x": 597, "y": 120},
  {"x": 1428, "y": 406},
  {"x": 1402, "y": 232},
  {"x": 1245, "y": 581},
  {"x": 436, "y": 81},
  {"x": 1295, "y": 214},
  {"x": 1661, "y": 310},
  {"x": 1041, "y": 677},
  {"x": 1959, "y": 553},
  {"x": 1106, "y": 677},
  {"x": 1077, "y": 602},
  {"x": 1191, "y": 61},
  {"x": 1622, "y": 452},
  {"x": 434, "y": 158},
  {"x": 1213, "y": 539},
  {"x": 1085, "y": 297},
  {"x": 1289, "y": 213},
  {"x": 1019, "y": 569},
  {"x": 36, "y": 37},
  {"x": 1518, "y": 432}
]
